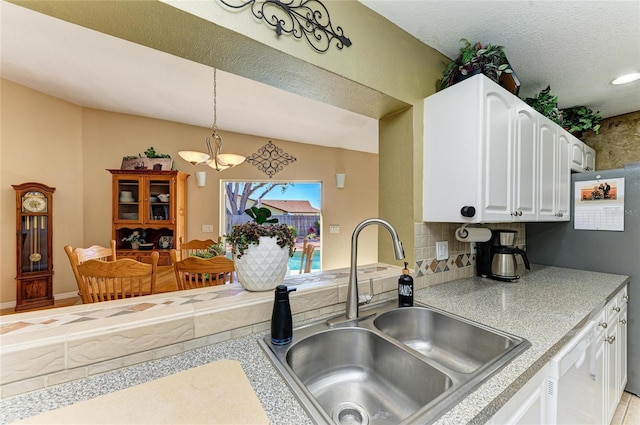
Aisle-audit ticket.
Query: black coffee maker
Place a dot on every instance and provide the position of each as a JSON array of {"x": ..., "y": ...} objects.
[{"x": 496, "y": 258}]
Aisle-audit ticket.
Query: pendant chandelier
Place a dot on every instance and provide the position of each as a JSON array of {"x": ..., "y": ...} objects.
[{"x": 213, "y": 158}]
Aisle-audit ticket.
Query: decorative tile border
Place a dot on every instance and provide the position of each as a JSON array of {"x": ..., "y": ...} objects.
[
  {"x": 431, "y": 265},
  {"x": 99, "y": 311}
]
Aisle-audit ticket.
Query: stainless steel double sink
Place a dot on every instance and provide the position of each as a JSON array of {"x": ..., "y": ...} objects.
[{"x": 390, "y": 366}]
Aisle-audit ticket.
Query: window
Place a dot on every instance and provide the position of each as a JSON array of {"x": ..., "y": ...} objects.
[{"x": 296, "y": 204}]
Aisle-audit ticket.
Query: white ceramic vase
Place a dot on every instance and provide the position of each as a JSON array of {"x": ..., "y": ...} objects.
[{"x": 262, "y": 267}]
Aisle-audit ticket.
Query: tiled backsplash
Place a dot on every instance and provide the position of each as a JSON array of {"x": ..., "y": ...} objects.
[{"x": 461, "y": 262}]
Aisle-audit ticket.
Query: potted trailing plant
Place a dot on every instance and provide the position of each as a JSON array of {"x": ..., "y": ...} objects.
[
  {"x": 214, "y": 250},
  {"x": 489, "y": 60},
  {"x": 578, "y": 119},
  {"x": 150, "y": 160},
  {"x": 261, "y": 250},
  {"x": 546, "y": 103},
  {"x": 135, "y": 238}
]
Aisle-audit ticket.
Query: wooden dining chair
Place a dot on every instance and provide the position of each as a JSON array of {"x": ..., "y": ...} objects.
[
  {"x": 78, "y": 256},
  {"x": 195, "y": 247},
  {"x": 119, "y": 279},
  {"x": 307, "y": 257},
  {"x": 196, "y": 272}
]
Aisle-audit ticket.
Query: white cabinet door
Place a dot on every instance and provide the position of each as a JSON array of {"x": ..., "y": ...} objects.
[
  {"x": 563, "y": 185},
  {"x": 600, "y": 372},
  {"x": 547, "y": 169},
  {"x": 577, "y": 155},
  {"x": 611, "y": 347},
  {"x": 498, "y": 153},
  {"x": 525, "y": 163},
  {"x": 621, "y": 339},
  {"x": 589, "y": 158},
  {"x": 554, "y": 178}
]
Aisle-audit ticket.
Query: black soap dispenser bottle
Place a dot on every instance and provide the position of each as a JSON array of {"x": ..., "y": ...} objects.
[
  {"x": 405, "y": 288},
  {"x": 281, "y": 322}
]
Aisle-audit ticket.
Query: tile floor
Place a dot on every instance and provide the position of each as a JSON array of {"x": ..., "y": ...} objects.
[{"x": 628, "y": 410}]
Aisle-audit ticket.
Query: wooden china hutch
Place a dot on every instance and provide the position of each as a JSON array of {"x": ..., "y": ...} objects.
[{"x": 152, "y": 203}]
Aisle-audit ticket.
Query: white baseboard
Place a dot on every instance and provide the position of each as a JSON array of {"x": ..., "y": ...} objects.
[{"x": 12, "y": 304}]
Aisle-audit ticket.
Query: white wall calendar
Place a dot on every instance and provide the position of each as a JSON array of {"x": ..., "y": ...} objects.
[{"x": 599, "y": 205}]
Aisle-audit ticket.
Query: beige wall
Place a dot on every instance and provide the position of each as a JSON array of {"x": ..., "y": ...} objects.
[
  {"x": 54, "y": 142},
  {"x": 618, "y": 142},
  {"x": 41, "y": 142},
  {"x": 384, "y": 74}
]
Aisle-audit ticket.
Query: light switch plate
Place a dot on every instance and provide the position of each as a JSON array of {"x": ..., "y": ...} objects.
[
  {"x": 207, "y": 228},
  {"x": 442, "y": 250},
  {"x": 334, "y": 228}
]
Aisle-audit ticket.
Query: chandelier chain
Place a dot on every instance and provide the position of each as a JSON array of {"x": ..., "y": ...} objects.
[{"x": 215, "y": 100}]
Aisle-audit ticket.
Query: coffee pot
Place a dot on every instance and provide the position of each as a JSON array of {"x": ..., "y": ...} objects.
[
  {"x": 504, "y": 264},
  {"x": 496, "y": 258}
]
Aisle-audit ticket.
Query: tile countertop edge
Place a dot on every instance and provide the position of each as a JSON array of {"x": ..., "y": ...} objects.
[{"x": 495, "y": 304}]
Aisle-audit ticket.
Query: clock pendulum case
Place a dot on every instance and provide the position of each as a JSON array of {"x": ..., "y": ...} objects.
[{"x": 34, "y": 254}]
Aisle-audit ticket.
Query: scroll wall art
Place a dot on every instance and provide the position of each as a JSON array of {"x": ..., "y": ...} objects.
[
  {"x": 308, "y": 19},
  {"x": 270, "y": 159}
]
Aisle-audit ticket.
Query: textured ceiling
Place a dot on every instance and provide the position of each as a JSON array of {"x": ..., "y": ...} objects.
[{"x": 575, "y": 46}]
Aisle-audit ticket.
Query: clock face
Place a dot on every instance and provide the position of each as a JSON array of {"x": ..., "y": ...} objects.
[{"x": 34, "y": 202}]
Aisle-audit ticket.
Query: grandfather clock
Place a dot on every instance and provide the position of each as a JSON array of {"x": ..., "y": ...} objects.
[{"x": 34, "y": 245}]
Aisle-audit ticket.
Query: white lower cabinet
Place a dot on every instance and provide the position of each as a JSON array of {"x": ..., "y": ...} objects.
[
  {"x": 609, "y": 370},
  {"x": 527, "y": 405}
]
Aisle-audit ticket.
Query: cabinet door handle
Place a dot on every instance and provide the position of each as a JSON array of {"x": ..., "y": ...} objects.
[
  {"x": 603, "y": 324},
  {"x": 559, "y": 214},
  {"x": 623, "y": 321},
  {"x": 610, "y": 339},
  {"x": 625, "y": 297},
  {"x": 616, "y": 309}
]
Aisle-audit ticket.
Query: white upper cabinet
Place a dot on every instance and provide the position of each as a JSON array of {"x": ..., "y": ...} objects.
[
  {"x": 484, "y": 158},
  {"x": 583, "y": 157},
  {"x": 468, "y": 153}
]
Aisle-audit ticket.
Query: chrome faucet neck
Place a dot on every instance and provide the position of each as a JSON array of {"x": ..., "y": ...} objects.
[{"x": 352, "y": 291}]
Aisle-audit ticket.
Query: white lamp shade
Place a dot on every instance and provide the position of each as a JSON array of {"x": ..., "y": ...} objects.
[
  {"x": 194, "y": 157},
  {"x": 201, "y": 178},
  {"x": 340, "y": 177},
  {"x": 230, "y": 159}
]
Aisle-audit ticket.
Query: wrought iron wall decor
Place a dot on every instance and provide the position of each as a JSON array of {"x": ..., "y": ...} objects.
[
  {"x": 300, "y": 18},
  {"x": 270, "y": 159}
]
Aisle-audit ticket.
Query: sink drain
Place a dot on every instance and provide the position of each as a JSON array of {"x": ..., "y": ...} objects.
[{"x": 348, "y": 413}]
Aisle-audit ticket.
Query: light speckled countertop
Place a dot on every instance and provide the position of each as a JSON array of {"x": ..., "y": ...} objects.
[{"x": 546, "y": 307}]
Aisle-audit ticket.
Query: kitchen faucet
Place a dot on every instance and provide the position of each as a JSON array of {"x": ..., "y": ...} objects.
[{"x": 352, "y": 294}]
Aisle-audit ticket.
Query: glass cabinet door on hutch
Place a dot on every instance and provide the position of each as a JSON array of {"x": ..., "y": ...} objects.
[{"x": 151, "y": 203}]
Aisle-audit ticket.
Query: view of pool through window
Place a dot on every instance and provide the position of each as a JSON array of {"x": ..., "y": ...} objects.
[
  {"x": 296, "y": 204},
  {"x": 294, "y": 262}
]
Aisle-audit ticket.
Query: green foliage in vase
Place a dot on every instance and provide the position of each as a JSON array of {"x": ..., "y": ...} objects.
[
  {"x": 490, "y": 60},
  {"x": 151, "y": 153},
  {"x": 580, "y": 118},
  {"x": 249, "y": 233},
  {"x": 213, "y": 251},
  {"x": 546, "y": 103},
  {"x": 260, "y": 215}
]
